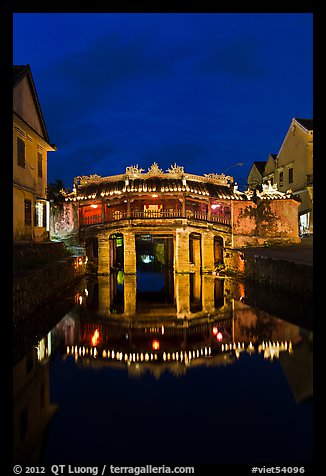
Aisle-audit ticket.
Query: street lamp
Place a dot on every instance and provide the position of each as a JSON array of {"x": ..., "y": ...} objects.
[{"x": 234, "y": 165}]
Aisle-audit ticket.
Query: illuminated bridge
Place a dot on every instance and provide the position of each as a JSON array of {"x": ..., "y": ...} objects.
[{"x": 187, "y": 222}]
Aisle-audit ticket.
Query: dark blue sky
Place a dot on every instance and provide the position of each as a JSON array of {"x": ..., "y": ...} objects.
[{"x": 204, "y": 90}]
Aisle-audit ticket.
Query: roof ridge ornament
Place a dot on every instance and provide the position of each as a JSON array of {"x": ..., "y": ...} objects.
[
  {"x": 84, "y": 179},
  {"x": 133, "y": 171},
  {"x": 176, "y": 169},
  {"x": 154, "y": 169},
  {"x": 220, "y": 179}
]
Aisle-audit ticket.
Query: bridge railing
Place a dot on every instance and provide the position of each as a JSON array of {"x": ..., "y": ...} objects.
[{"x": 118, "y": 215}]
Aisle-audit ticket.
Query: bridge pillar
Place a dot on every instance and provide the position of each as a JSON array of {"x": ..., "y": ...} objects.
[
  {"x": 103, "y": 256},
  {"x": 129, "y": 258},
  {"x": 195, "y": 254},
  {"x": 104, "y": 294},
  {"x": 181, "y": 262},
  {"x": 182, "y": 294},
  {"x": 208, "y": 293},
  {"x": 130, "y": 288},
  {"x": 207, "y": 252}
]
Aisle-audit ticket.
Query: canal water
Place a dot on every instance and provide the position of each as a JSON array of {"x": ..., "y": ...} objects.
[{"x": 164, "y": 369}]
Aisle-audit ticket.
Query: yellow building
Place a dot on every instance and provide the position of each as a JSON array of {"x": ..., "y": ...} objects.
[
  {"x": 292, "y": 169},
  {"x": 30, "y": 147}
]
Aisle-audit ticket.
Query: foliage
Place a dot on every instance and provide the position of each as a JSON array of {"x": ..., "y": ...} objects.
[{"x": 54, "y": 191}]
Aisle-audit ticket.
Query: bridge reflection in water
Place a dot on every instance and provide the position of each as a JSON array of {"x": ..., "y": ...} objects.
[
  {"x": 204, "y": 322},
  {"x": 199, "y": 322}
]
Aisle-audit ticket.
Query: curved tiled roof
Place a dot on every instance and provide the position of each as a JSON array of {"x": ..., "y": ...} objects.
[
  {"x": 155, "y": 181},
  {"x": 157, "y": 185}
]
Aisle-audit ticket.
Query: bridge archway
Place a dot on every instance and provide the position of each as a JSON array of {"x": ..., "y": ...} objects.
[{"x": 116, "y": 247}]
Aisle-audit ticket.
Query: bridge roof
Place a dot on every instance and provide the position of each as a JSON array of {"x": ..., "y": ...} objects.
[{"x": 98, "y": 189}]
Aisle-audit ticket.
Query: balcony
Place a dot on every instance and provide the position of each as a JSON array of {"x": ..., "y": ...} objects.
[{"x": 118, "y": 215}]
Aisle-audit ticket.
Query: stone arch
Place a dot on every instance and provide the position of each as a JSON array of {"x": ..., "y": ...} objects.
[{"x": 116, "y": 251}]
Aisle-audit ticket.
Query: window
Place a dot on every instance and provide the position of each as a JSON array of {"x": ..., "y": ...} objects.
[
  {"x": 281, "y": 178},
  {"x": 39, "y": 164},
  {"x": 291, "y": 175},
  {"x": 28, "y": 212},
  {"x": 21, "y": 152},
  {"x": 40, "y": 214}
]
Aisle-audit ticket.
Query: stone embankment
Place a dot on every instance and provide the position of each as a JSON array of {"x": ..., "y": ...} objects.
[
  {"x": 41, "y": 271},
  {"x": 285, "y": 268}
]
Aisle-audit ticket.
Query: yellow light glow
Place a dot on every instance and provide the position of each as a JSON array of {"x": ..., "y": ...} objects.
[
  {"x": 155, "y": 344},
  {"x": 95, "y": 337}
]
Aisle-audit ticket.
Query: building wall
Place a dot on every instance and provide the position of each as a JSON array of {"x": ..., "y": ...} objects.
[
  {"x": 296, "y": 152},
  {"x": 264, "y": 222},
  {"x": 254, "y": 177},
  {"x": 23, "y": 104},
  {"x": 27, "y": 184}
]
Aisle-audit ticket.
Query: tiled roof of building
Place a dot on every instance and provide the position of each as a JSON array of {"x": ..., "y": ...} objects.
[
  {"x": 260, "y": 166},
  {"x": 306, "y": 123},
  {"x": 157, "y": 185}
]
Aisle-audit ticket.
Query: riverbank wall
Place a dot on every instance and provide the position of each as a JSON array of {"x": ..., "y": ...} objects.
[
  {"x": 41, "y": 272},
  {"x": 284, "y": 269}
]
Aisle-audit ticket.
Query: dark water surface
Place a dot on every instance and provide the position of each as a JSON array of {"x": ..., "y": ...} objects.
[{"x": 164, "y": 370}]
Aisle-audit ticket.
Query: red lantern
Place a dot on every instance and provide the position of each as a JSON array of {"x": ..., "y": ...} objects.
[{"x": 215, "y": 330}]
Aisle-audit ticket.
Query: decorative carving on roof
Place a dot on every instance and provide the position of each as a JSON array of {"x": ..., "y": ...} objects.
[
  {"x": 176, "y": 169},
  {"x": 220, "y": 179},
  {"x": 134, "y": 171},
  {"x": 154, "y": 169},
  {"x": 85, "y": 179},
  {"x": 269, "y": 192}
]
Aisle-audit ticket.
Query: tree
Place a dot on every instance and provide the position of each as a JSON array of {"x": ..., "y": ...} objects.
[{"x": 55, "y": 191}]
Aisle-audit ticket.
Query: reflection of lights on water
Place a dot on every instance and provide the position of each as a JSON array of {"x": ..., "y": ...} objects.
[
  {"x": 217, "y": 333},
  {"x": 44, "y": 348},
  {"x": 120, "y": 277},
  {"x": 80, "y": 299},
  {"x": 95, "y": 337},
  {"x": 147, "y": 258},
  {"x": 155, "y": 344}
]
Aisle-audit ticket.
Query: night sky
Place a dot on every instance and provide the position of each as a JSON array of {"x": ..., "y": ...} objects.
[{"x": 203, "y": 90}]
